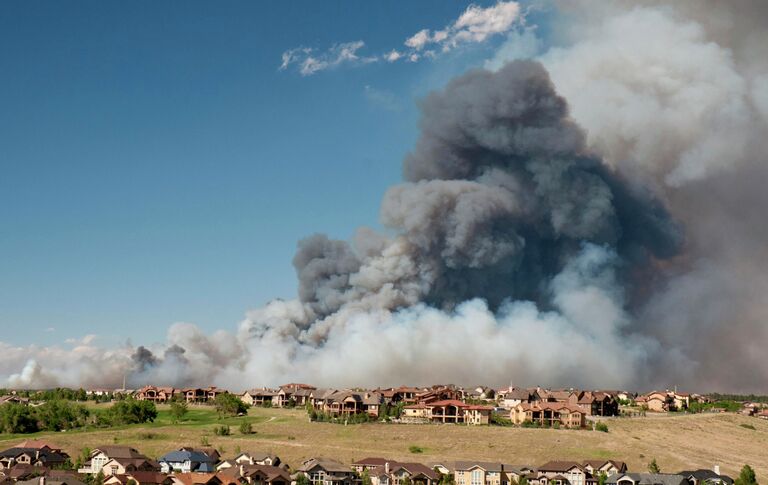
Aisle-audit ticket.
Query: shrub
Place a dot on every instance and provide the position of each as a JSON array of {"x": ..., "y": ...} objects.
[
  {"x": 415, "y": 449},
  {"x": 602, "y": 427},
  {"x": 500, "y": 420},
  {"x": 246, "y": 428},
  {"x": 747, "y": 426},
  {"x": 222, "y": 430}
]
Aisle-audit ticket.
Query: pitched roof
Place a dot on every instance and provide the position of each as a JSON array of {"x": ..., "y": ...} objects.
[
  {"x": 117, "y": 452},
  {"x": 558, "y": 466},
  {"x": 326, "y": 464},
  {"x": 650, "y": 478},
  {"x": 372, "y": 462}
]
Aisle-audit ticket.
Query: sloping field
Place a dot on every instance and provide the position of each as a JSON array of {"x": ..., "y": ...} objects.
[{"x": 677, "y": 442}]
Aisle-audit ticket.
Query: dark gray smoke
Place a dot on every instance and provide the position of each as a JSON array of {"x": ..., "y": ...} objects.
[{"x": 502, "y": 194}]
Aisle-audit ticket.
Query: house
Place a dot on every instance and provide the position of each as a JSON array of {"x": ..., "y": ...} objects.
[
  {"x": 449, "y": 411},
  {"x": 258, "y": 397},
  {"x": 416, "y": 473},
  {"x": 657, "y": 401},
  {"x": 139, "y": 477},
  {"x": 598, "y": 403},
  {"x": 438, "y": 393},
  {"x": 187, "y": 461},
  {"x": 572, "y": 472},
  {"x": 324, "y": 471},
  {"x": 247, "y": 458},
  {"x": 703, "y": 476},
  {"x": 514, "y": 396},
  {"x": 403, "y": 394},
  {"x": 156, "y": 394},
  {"x": 371, "y": 465},
  {"x": 293, "y": 393},
  {"x": 646, "y": 479},
  {"x": 117, "y": 460},
  {"x": 549, "y": 414},
  {"x": 35, "y": 457},
  {"x": 383, "y": 471},
  {"x": 259, "y": 475},
  {"x": 481, "y": 473},
  {"x": 608, "y": 467}
]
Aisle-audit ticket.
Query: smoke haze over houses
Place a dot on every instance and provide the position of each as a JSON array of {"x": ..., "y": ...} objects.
[{"x": 590, "y": 217}]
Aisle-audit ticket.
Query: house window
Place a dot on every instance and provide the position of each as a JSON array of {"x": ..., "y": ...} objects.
[{"x": 477, "y": 478}]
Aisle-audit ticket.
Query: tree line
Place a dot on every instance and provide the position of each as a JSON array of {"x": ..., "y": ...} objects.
[{"x": 60, "y": 414}]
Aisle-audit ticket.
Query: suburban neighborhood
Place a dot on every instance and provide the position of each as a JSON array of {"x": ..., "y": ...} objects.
[{"x": 39, "y": 463}]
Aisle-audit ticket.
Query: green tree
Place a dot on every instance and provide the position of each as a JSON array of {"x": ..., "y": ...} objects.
[
  {"x": 179, "y": 409},
  {"x": 130, "y": 411},
  {"x": 17, "y": 418},
  {"x": 302, "y": 479},
  {"x": 406, "y": 480},
  {"x": 229, "y": 405},
  {"x": 98, "y": 479},
  {"x": 746, "y": 476},
  {"x": 653, "y": 467},
  {"x": 601, "y": 479},
  {"x": 522, "y": 481},
  {"x": 365, "y": 478}
]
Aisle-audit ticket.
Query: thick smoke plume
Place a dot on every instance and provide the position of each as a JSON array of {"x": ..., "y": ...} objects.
[{"x": 593, "y": 218}]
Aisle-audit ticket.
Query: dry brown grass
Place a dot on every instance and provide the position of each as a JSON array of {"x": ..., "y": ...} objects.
[{"x": 677, "y": 442}]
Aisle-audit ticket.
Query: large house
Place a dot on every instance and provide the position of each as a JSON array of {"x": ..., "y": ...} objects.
[
  {"x": 339, "y": 403},
  {"x": 157, "y": 394},
  {"x": 449, "y": 411},
  {"x": 117, "y": 460},
  {"x": 259, "y": 397},
  {"x": 564, "y": 473},
  {"x": 293, "y": 393},
  {"x": 32, "y": 456},
  {"x": 186, "y": 461},
  {"x": 324, "y": 471},
  {"x": 646, "y": 479},
  {"x": 258, "y": 475},
  {"x": 481, "y": 473},
  {"x": 383, "y": 471},
  {"x": 704, "y": 476},
  {"x": 549, "y": 414}
]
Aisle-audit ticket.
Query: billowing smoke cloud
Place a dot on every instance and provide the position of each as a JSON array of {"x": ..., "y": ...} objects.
[{"x": 601, "y": 228}]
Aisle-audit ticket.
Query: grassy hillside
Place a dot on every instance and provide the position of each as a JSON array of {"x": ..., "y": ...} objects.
[{"x": 677, "y": 442}]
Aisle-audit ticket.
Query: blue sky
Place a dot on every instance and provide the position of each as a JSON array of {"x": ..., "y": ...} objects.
[{"x": 158, "y": 166}]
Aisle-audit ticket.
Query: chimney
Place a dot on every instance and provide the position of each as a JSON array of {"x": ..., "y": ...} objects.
[
  {"x": 716, "y": 469},
  {"x": 386, "y": 467},
  {"x": 242, "y": 470}
]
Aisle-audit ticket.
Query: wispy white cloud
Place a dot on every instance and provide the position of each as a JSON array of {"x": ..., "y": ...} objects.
[
  {"x": 309, "y": 60},
  {"x": 475, "y": 25}
]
